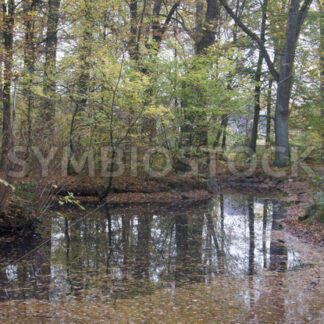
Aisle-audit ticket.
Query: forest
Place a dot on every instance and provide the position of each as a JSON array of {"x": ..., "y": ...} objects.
[{"x": 149, "y": 145}]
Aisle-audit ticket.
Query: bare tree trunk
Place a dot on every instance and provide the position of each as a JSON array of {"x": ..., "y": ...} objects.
[
  {"x": 133, "y": 46},
  {"x": 321, "y": 8},
  {"x": 8, "y": 30},
  {"x": 269, "y": 103},
  {"x": 257, "y": 91},
  {"x": 225, "y": 133},
  {"x": 29, "y": 65},
  {"x": 49, "y": 86},
  {"x": 257, "y": 107},
  {"x": 222, "y": 129},
  {"x": 206, "y": 29},
  {"x": 284, "y": 87},
  {"x": 8, "y": 26},
  {"x": 84, "y": 77}
]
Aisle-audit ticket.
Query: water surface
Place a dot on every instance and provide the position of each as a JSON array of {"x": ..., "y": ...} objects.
[{"x": 213, "y": 261}]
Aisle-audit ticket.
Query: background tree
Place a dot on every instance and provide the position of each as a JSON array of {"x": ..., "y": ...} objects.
[
  {"x": 8, "y": 9},
  {"x": 296, "y": 17},
  {"x": 49, "y": 85}
]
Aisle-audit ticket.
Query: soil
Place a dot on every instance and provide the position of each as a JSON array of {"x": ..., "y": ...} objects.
[{"x": 300, "y": 195}]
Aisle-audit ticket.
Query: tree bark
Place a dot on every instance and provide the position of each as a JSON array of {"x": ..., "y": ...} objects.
[
  {"x": 257, "y": 90},
  {"x": 29, "y": 65},
  {"x": 49, "y": 85},
  {"x": 282, "y": 156},
  {"x": 84, "y": 49},
  {"x": 225, "y": 133},
  {"x": 206, "y": 28},
  {"x": 8, "y": 30},
  {"x": 133, "y": 46},
  {"x": 321, "y": 8},
  {"x": 269, "y": 104}
]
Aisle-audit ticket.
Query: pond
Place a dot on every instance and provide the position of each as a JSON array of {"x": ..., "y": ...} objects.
[{"x": 219, "y": 261}]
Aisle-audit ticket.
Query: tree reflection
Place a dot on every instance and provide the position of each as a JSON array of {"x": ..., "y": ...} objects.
[
  {"x": 30, "y": 276},
  {"x": 182, "y": 246},
  {"x": 126, "y": 252},
  {"x": 251, "y": 236},
  {"x": 264, "y": 233},
  {"x": 278, "y": 250},
  {"x": 142, "y": 258}
]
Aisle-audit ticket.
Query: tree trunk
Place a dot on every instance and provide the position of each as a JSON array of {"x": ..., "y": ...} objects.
[
  {"x": 225, "y": 134},
  {"x": 133, "y": 46},
  {"x": 257, "y": 91},
  {"x": 269, "y": 103},
  {"x": 321, "y": 8},
  {"x": 84, "y": 77},
  {"x": 284, "y": 87},
  {"x": 257, "y": 97},
  {"x": 295, "y": 20},
  {"x": 206, "y": 23},
  {"x": 49, "y": 86},
  {"x": 158, "y": 30},
  {"x": 29, "y": 66},
  {"x": 222, "y": 129},
  {"x": 8, "y": 29},
  {"x": 206, "y": 28}
]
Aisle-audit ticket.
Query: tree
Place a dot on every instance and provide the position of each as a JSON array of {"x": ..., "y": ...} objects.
[
  {"x": 29, "y": 9},
  {"x": 284, "y": 77},
  {"x": 206, "y": 27},
  {"x": 84, "y": 68},
  {"x": 7, "y": 140},
  {"x": 194, "y": 129},
  {"x": 49, "y": 85},
  {"x": 8, "y": 36},
  {"x": 321, "y": 10},
  {"x": 258, "y": 74}
]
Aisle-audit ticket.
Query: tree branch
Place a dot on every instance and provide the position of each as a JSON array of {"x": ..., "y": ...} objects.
[
  {"x": 169, "y": 17},
  {"x": 302, "y": 15},
  {"x": 254, "y": 37},
  {"x": 159, "y": 31}
]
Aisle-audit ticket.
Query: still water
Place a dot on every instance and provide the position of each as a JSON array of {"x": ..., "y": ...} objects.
[{"x": 221, "y": 261}]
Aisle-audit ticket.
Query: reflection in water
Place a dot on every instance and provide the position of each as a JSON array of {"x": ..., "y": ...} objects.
[
  {"x": 142, "y": 250},
  {"x": 182, "y": 248},
  {"x": 264, "y": 233},
  {"x": 120, "y": 253},
  {"x": 278, "y": 250},
  {"x": 28, "y": 278},
  {"x": 251, "y": 236}
]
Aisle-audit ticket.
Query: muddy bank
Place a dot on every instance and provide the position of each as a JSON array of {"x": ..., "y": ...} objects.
[
  {"x": 300, "y": 196},
  {"x": 19, "y": 220},
  {"x": 91, "y": 186}
]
